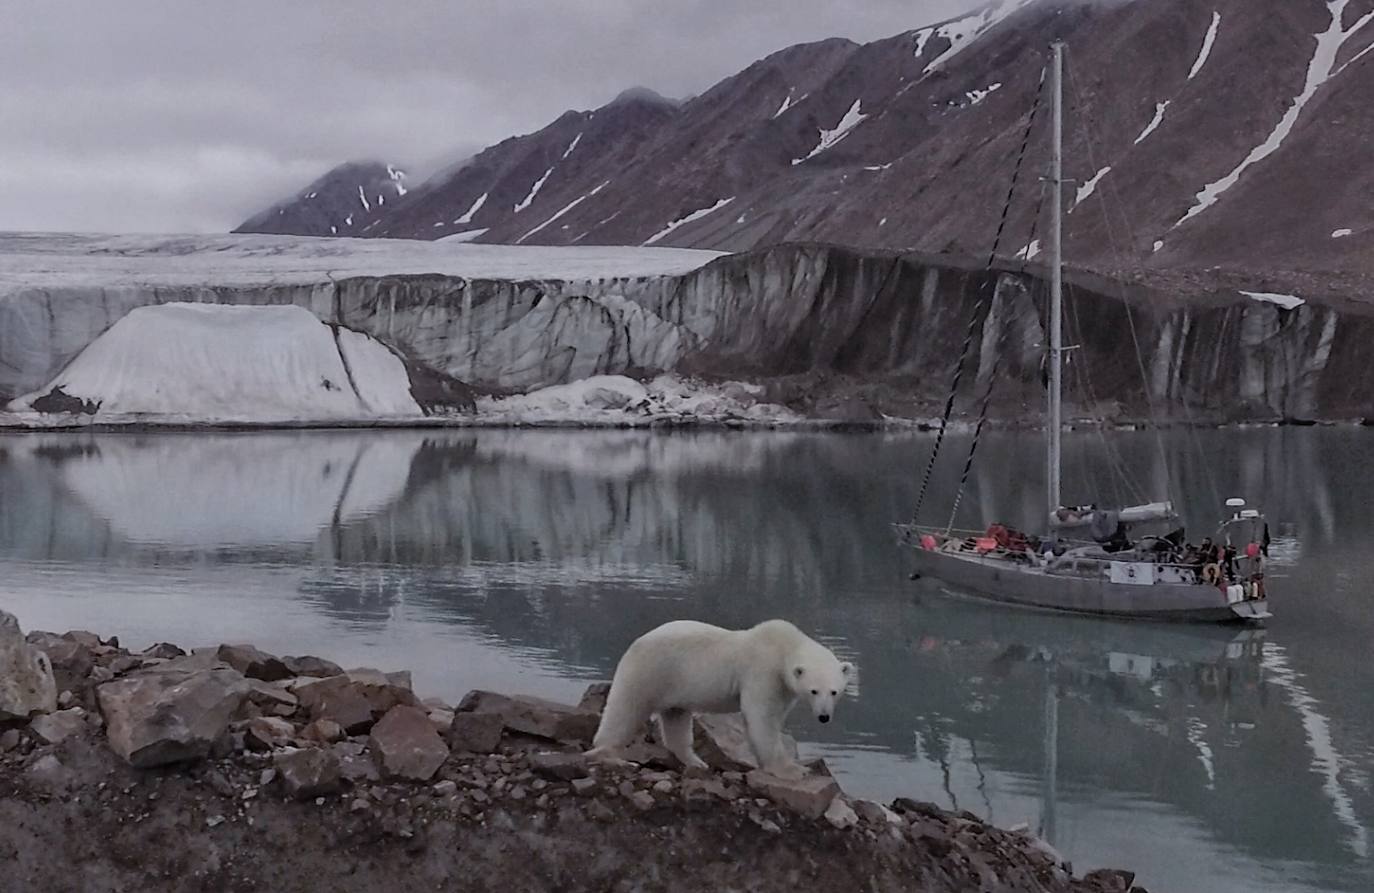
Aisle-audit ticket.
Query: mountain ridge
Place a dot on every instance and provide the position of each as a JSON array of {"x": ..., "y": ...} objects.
[{"x": 1232, "y": 135}]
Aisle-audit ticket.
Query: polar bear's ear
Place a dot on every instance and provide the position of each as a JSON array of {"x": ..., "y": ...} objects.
[
  {"x": 847, "y": 669},
  {"x": 799, "y": 671}
]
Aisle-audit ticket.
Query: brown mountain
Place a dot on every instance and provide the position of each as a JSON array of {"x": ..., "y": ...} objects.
[
  {"x": 1227, "y": 142},
  {"x": 344, "y": 202}
]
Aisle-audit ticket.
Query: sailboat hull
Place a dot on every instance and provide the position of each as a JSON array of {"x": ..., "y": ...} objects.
[{"x": 1033, "y": 587}]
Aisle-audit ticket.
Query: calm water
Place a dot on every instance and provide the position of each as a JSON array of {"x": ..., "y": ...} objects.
[{"x": 1208, "y": 759}]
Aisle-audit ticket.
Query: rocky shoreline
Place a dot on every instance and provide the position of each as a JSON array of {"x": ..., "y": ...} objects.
[{"x": 230, "y": 769}]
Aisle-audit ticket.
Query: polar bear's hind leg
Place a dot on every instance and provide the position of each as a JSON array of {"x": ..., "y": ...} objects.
[
  {"x": 621, "y": 721},
  {"x": 675, "y": 729}
]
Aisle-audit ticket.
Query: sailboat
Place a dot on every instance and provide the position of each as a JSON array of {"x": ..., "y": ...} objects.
[{"x": 1088, "y": 562}]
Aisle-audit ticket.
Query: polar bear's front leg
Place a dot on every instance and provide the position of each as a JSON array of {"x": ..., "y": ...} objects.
[
  {"x": 763, "y": 717},
  {"x": 675, "y": 728}
]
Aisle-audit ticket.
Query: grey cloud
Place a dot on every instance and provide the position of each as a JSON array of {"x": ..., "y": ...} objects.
[{"x": 169, "y": 115}]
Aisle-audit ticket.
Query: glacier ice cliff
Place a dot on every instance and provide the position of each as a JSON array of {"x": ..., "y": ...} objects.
[{"x": 802, "y": 315}]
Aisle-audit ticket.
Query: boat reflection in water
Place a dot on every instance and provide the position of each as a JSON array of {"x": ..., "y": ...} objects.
[{"x": 1211, "y": 720}]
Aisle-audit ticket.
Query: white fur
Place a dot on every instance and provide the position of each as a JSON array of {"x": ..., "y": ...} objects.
[{"x": 685, "y": 667}]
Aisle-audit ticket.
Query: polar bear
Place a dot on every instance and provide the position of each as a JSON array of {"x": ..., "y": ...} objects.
[{"x": 685, "y": 667}]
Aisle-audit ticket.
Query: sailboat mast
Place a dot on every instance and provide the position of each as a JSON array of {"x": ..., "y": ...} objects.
[{"x": 1055, "y": 422}]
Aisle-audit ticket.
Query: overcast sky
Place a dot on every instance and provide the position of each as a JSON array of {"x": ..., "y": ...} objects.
[{"x": 189, "y": 115}]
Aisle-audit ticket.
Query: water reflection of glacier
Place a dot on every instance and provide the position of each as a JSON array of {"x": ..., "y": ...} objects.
[{"x": 532, "y": 558}]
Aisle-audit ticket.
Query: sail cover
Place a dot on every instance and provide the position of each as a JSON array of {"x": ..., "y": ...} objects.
[{"x": 1091, "y": 522}]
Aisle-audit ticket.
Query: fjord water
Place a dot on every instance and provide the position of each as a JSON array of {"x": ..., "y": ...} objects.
[{"x": 1205, "y": 758}]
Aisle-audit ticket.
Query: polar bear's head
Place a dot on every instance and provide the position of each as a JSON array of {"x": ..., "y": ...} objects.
[{"x": 819, "y": 678}]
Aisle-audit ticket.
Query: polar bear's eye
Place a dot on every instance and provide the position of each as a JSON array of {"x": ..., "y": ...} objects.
[
  {"x": 832, "y": 694},
  {"x": 814, "y": 692}
]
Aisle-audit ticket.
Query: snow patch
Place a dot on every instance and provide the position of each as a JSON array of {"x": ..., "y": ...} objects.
[
  {"x": 1319, "y": 71},
  {"x": 566, "y": 208},
  {"x": 1206, "y": 46},
  {"x": 333, "y": 229},
  {"x": 977, "y": 96},
  {"x": 962, "y": 32},
  {"x": 534, "y": 190},
  {"x": 1160, "y": 108},
  {"x": 617, "y": 399},
  {"x": 312, "y": 195},
  {"x": 476, "y": 206},
  {"x": 1341, "y": 233},
  {"x": 852, "y": 118},
  {"x": 363, "y": 198},
  {"x": 465, "y": 236},
  {"x": 922, "y": 38},
  {"x": 1287, "y": 302},
  {"x": 1158, "y": 245},
  {"x": 397, "y": 177},
  {"x": 883, "y": 222},
  {"x": 683, "y": 221},
  {"x": 1087, "y": 189},
  {"x": 228, "y": 362},
  {"x": 786, "y": 104},
  {"x": 877, "y": 167},
  {"x": 1029, "y": 252},
  {"x": 349, "y": 220},
  {"x": 572, "y": 145}
]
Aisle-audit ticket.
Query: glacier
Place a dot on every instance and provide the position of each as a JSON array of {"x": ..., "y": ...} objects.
[
  {"x": 654, "y": 335},
  {"x": 224, "y": 362}
]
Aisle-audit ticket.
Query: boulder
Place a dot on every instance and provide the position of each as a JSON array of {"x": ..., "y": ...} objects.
[
  {"x": 355, "y": 699},
  {"x": 594, "y": 698},
  {"x": 441, "y": 719},
  {"x": 907, "y": 806},
  {"x": 336, "y": 698},
  {"x": 876, "y": 813},
  {"x": 27, "y": 684},
  {"x": 325, "y": 731},
  {"x": 559, "y": 766},
  {"x": 383, "y": 690},
  {"x": 272, "y": 698},
  {"x": 48, "y": 772},
  {"x": 308, "y": 772},
  {"x": 810, "y": 795},
  {"x": 83, "y": 637},
  {"x": 475, "y": 732},
  {"x": 163, "y": 651},
  {"x": 71, "y": 661},
  {"x": 162, "y": 715},
  {"x": 653, "y": 756},
  {"x": 840, "y": 814},
  {"x": 1110, "y": 880},
  {"x": 721, "y": 740},
  {"x": 268, "y": 733},
  {"x": 406, "y": 745},
  {"x": 703, "y": 790},
  {"x": 354, "y": 763},
  {"x": 311, "y": 666},
  {"x": 534, "y": 716},
  {"x": 53, "y": 728},
  {"x": 253, "y": 663}
]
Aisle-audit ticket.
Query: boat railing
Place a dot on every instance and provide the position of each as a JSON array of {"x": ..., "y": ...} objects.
[{"x": 963, "y": 536}]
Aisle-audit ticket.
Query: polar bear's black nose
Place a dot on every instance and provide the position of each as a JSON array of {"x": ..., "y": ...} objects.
[{"x": 824, "y": 717}]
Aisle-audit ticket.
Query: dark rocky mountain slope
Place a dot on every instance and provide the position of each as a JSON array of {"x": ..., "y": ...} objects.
[
  {"x": 1230, "y": 138},
  {"x": 344, "y": 202}
]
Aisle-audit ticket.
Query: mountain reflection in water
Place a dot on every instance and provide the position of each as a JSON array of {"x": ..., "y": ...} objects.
[{"x": 1205, "y": 758}]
